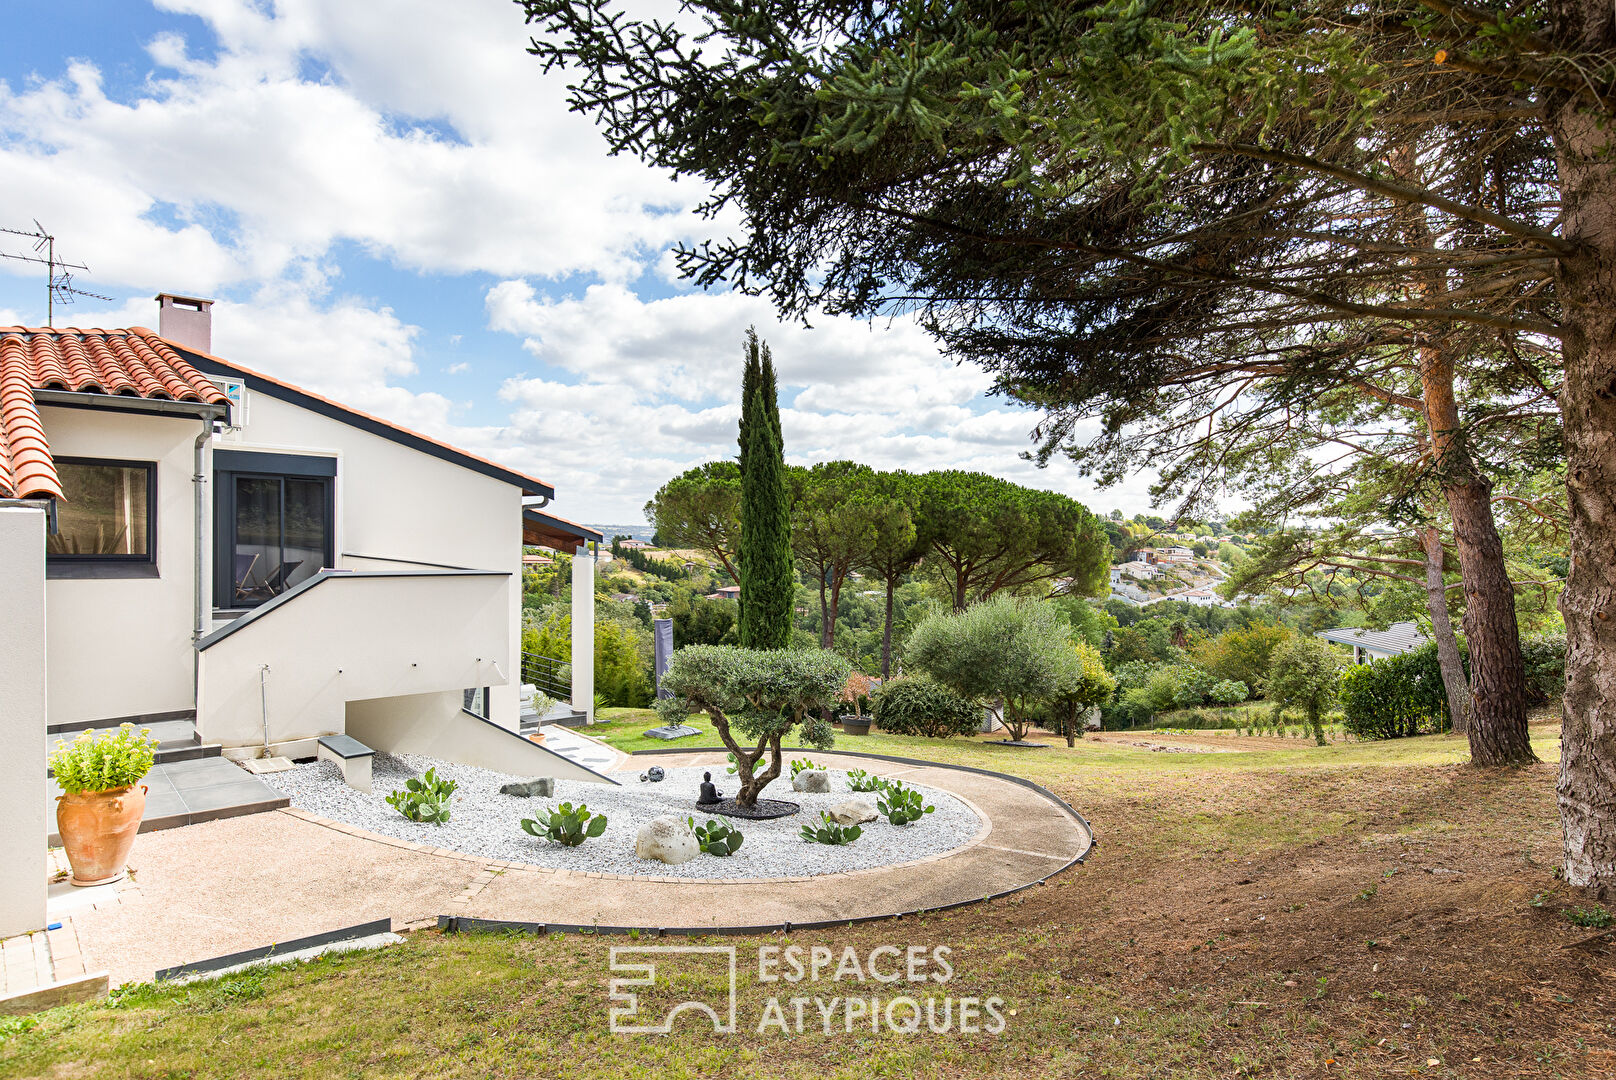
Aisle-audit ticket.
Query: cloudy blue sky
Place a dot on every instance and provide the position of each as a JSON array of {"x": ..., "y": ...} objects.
[{"x": 393, "y": 207}]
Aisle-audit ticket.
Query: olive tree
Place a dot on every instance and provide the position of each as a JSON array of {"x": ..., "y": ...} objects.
[
  {"x": 1008, "y": 652},
  {"x": 755, "y": 698},
  {"x": 1306, "y": 675}
]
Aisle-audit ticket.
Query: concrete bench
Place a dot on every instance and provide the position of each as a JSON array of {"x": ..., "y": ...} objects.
[{"x": 352, "y": 757}]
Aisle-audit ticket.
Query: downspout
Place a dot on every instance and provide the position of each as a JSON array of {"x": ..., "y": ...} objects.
[{"x": 199, "y": 622}]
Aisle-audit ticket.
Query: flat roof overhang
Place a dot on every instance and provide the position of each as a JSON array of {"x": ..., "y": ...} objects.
[{"x": 546, "y": 530}]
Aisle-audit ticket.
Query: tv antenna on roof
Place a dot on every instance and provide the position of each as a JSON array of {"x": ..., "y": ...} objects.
[{"x": 59, "y": 288}]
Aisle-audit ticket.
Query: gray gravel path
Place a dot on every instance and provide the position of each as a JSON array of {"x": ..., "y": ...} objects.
[{"x": 484, "y": 822}]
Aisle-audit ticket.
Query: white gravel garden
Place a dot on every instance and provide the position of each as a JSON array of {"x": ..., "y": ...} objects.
[{"x": 482, "y": 821}]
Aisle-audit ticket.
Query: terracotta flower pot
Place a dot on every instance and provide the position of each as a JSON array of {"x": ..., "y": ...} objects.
[{"x": 98, "y": 830}]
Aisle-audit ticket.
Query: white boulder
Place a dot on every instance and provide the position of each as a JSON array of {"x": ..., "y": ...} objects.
[
  {"x": 852, "y": 812},
  {"x": 666, "y": 839},
  {"x": 811, "y": 780}
]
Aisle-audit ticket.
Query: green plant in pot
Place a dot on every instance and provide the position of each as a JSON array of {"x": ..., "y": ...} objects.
[{"x": 99, "y": 811}]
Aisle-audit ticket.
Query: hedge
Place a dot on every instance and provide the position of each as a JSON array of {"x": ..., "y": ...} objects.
[
  {"x": 917, "y": 706},
  {"x": 1395, "y": 697}
]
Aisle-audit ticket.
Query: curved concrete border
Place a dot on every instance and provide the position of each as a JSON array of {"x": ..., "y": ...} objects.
[{"x": 1094, "y": 838}]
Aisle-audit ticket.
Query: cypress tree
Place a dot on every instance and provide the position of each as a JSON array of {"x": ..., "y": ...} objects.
[
  {"x": 751, "y": 380},
  {"x": 768, "y": 579}
]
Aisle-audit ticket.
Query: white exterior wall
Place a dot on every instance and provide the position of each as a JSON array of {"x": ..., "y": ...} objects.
[
  {"x": 22, "y": 720},
  {"x": 396, "y": 507},
  {"x": 351, "y": 638},
  {"x": 122, "y": 646},
  {"x": 434, "y": 725}
]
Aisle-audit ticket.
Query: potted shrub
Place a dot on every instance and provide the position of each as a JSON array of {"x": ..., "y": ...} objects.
[
  {"x": 855, "y": 692},
  {"x": 99, "y": 812}
]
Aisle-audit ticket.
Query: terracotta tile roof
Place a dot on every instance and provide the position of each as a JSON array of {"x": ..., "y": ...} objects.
[{"x": 127, "y": 363}]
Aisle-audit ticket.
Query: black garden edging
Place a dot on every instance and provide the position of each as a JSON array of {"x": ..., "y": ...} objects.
[
  {"x": 348, "y": 933},
  {"x": 463, "y": 924}
]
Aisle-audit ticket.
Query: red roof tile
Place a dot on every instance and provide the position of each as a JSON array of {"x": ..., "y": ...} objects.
[{"x": 128, "y": 363}]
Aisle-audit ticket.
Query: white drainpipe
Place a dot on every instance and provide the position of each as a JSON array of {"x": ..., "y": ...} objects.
[{"x": 199, "y": 622}]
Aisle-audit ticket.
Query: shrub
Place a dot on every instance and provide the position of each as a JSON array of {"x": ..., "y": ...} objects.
[
  {"x": 762, "y": 694},
  {"x": 716, "y": 838},
  {"x": 1306, "y": 675},
  {"x": 1087, "y": 686},
  {"x": 104, "y": 760},
  {"x": 1396, "y": 697},
  {"x": 1243, "y": 655},
  {"x": 828, "y": 832},
  {"x": 1228, "y": 692},
  {"x": 1544, "y": 656},
  {"x": 801, "y": 765},
  {"x": 901, "y": 805},
  {"x": 929, "y": 709},
  {"x": 425, "y": 799},
  {"x": 566, "y": 825},
  {"x": 859, "y": 780},
  {"x": 1007, "y": 650},
  {"x": 1135, "y": 708}
]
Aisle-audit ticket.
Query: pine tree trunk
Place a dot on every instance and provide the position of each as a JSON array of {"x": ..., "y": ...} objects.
[
  {"x": 1498, "y": 734},
  {"x": 1448, "y": 658},
  {"x": 827, "y": 629},
  {"x": 1497, "y": 727},
  {"x": 886, "y": 634},
  {"x": 1497, "y": 731},
  {"x": 1587, "y": 294}
]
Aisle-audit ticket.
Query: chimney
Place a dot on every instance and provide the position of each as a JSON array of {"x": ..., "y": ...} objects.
[{"x": 185, "y": 320}]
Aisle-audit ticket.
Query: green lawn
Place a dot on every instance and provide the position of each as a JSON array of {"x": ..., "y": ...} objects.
[
  {"x": 1357, "y": 910},
  {"x": 624, "y": 729}
]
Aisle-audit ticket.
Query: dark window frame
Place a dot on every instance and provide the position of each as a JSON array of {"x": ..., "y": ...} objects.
[
  {"x": 114, "y": 561},
  {"x": 468, "y": 697},
  {"x": 316, "y": 469}
]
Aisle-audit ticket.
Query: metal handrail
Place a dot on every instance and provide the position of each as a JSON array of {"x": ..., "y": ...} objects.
[{"x": 551, "y": 676}]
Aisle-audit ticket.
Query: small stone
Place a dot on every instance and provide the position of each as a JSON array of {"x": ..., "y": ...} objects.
[
  {"x": 852, "y": 812},
  {"x": 543, "y": 787},
  {"x": 666, "y": 839},
  {"x": 811, "y": 780}
]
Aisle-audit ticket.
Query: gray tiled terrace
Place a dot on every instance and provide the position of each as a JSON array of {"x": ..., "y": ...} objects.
[{"x": 191, "y": 783}]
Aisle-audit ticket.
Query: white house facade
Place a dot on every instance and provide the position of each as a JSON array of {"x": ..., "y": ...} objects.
[{"x": 227, "y": 549}]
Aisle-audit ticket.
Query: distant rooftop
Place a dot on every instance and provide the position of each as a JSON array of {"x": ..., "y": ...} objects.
[{"x": 1400, "y": 637}]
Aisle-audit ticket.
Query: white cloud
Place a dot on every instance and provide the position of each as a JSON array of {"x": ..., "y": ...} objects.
[
  {"x": 514, "y": 185},
  {"x": 652, "y": 387}
]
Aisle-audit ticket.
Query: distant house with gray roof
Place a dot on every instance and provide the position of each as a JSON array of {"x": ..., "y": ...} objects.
[{"x": 1370, "y": 645}]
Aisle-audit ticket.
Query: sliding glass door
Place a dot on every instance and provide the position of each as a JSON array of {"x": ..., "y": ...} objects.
[{"x": 274, "y": 531}]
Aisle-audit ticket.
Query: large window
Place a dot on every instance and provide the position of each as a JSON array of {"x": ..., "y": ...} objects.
[
  {"x": 274, "y": 529},
  {"x": 106, "y": 513}
]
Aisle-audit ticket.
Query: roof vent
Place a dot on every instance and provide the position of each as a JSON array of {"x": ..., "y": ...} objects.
[{"x": 186, "y": 320}]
